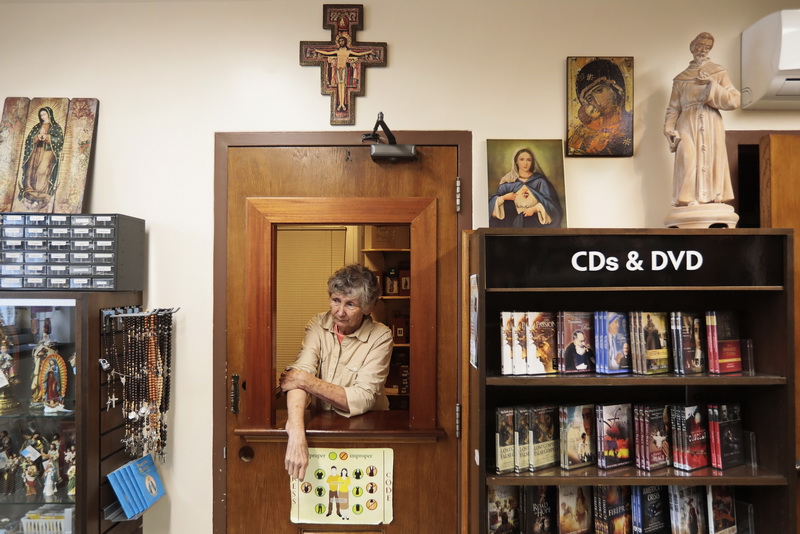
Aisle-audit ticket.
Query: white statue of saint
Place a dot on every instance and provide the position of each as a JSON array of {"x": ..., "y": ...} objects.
[{"x": 693, "y": 126}]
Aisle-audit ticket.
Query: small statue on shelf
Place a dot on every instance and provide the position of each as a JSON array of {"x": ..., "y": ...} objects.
[
  {"x": 31, "y": 476},
  {"x": 53, "y": 383},
  {"x": 40, "y": 353},
  {"x": 53, "y": 456},
  {"x": 5, "y": 442},
  {"x": 33, "y": 438},
  {"x": 71, "y": 479},
  {"x": 6, "y": 361},
  {"x": 695, "y": 132},
  {"x": 69, "y": 456},
  {"x": 8, "y": 404},
  {"x": 9, "y": 479},
  {"x": 48, "y": 479},
  {"x": 47, "y": 330}
]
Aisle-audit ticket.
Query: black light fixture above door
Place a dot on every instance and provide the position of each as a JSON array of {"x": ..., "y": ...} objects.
[{"x": 391, "y": 152}]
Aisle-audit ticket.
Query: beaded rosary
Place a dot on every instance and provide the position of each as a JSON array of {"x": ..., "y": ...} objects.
[{"x": 142, "y": 368}]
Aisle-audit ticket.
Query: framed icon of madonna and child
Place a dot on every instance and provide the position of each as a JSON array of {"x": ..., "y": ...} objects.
[
  {"x": 600, "y": 106},
  {"x": 526, "y": 183},
  {"x": 45, "y": 151}
]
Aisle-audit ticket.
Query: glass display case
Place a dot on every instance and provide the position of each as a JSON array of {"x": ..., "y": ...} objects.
[
  {"x": 37, "y": 409},
  {"x": 52, "y": 418}
]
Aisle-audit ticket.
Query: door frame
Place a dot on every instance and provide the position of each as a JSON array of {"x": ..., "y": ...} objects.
[{"x": 226, "y": 140}]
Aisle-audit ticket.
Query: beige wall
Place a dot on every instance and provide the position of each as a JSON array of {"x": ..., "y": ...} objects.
[{"x": 170, "y": 74}]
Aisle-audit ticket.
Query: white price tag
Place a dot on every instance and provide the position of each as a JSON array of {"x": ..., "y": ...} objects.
[{"x": 30, "y": 453}]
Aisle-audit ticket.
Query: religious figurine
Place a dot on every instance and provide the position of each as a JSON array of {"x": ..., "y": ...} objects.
[
  {"x": 6, "y": 362},
  {"x": 69, "y": 456},
  {"x": 693, "y": 126},
  {"x": 71, "y": 479},
  {"x": 49, "y": 479},
  {"x": 8, "y": 404},
  {"x": 53, "y": 383},
  {"x": 30, "y": 477},
  {"x": 39, "y": 353},
  {"x": 10, "y": 474},
  {"x": 53, "y": 455},
  {"x": 6, "y": 449},
  {"x": 33, "y": 439},
  {"x": 5, "y": 442}
]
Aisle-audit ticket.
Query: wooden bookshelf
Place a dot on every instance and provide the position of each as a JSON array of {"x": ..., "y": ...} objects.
[{"x": 748, "y": 271}]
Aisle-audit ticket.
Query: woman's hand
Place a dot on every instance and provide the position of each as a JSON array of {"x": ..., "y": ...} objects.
[
  {"x": 296, "y": 460},
  {"x": 292, "y": 379},
  {"x": 509, "y": 196}
]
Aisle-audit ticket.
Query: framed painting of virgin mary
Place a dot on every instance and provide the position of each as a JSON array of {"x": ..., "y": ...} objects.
[
  {"x": 600, "y": 106},
  {"x": 45, "y": 151},
  {"x": 526, "y": 183}
]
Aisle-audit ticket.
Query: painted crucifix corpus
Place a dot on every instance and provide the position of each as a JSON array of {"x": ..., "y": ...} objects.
[{"x": 342, "y": 60}]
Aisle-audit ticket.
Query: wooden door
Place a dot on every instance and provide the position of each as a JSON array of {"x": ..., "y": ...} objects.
[
  {"x": 251, "y": 487},
  {"x": 780, "y": 208}
]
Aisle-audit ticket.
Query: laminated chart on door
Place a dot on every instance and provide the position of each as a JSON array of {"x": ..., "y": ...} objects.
[{"x": 345, "y": 487}]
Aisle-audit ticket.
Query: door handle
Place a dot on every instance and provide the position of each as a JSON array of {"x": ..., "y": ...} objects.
[{"x": 234, "y": 393}]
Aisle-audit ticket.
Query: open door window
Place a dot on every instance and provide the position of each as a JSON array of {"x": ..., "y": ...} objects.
[{"x": 408, "y": 308}]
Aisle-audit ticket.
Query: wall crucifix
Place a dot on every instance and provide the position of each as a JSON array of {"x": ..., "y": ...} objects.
[{"x": 343, "y": 60}]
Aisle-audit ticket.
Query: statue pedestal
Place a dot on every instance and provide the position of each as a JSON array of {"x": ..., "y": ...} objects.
[
  {"x": 713, "y": 215},
  {"x": 8, "y": 404}
]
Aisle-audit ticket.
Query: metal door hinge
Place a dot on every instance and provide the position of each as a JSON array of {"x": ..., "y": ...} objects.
[
  {"x": 458, "y": 420},
  {"x": 225, "y": 453},
  {"x": 458, "y": 195}
]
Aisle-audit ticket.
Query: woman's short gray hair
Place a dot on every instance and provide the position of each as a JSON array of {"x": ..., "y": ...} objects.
[{"x": 355, "y": 281}]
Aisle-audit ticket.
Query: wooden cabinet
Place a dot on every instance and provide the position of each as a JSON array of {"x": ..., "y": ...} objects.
[
  {"x": 389, "y": 256},
  {"x": 747, "y": 271},
  {"x": 780, "y": 208},
  {"x": 55, "y": 399}
]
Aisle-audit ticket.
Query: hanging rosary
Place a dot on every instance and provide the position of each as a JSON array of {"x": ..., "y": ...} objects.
[{"x": 142, "y": 368}]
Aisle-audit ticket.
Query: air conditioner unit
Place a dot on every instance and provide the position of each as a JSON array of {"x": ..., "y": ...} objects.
[{"x": 771, "y": 62}]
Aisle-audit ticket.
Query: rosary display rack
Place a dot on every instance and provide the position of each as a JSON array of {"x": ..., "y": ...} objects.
[{"x": 137, "y": 357}]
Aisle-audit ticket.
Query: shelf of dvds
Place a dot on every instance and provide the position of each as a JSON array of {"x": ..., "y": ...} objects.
[
  {"x": 748, "y": 272},
  {"x": 661, "y": 380}
]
